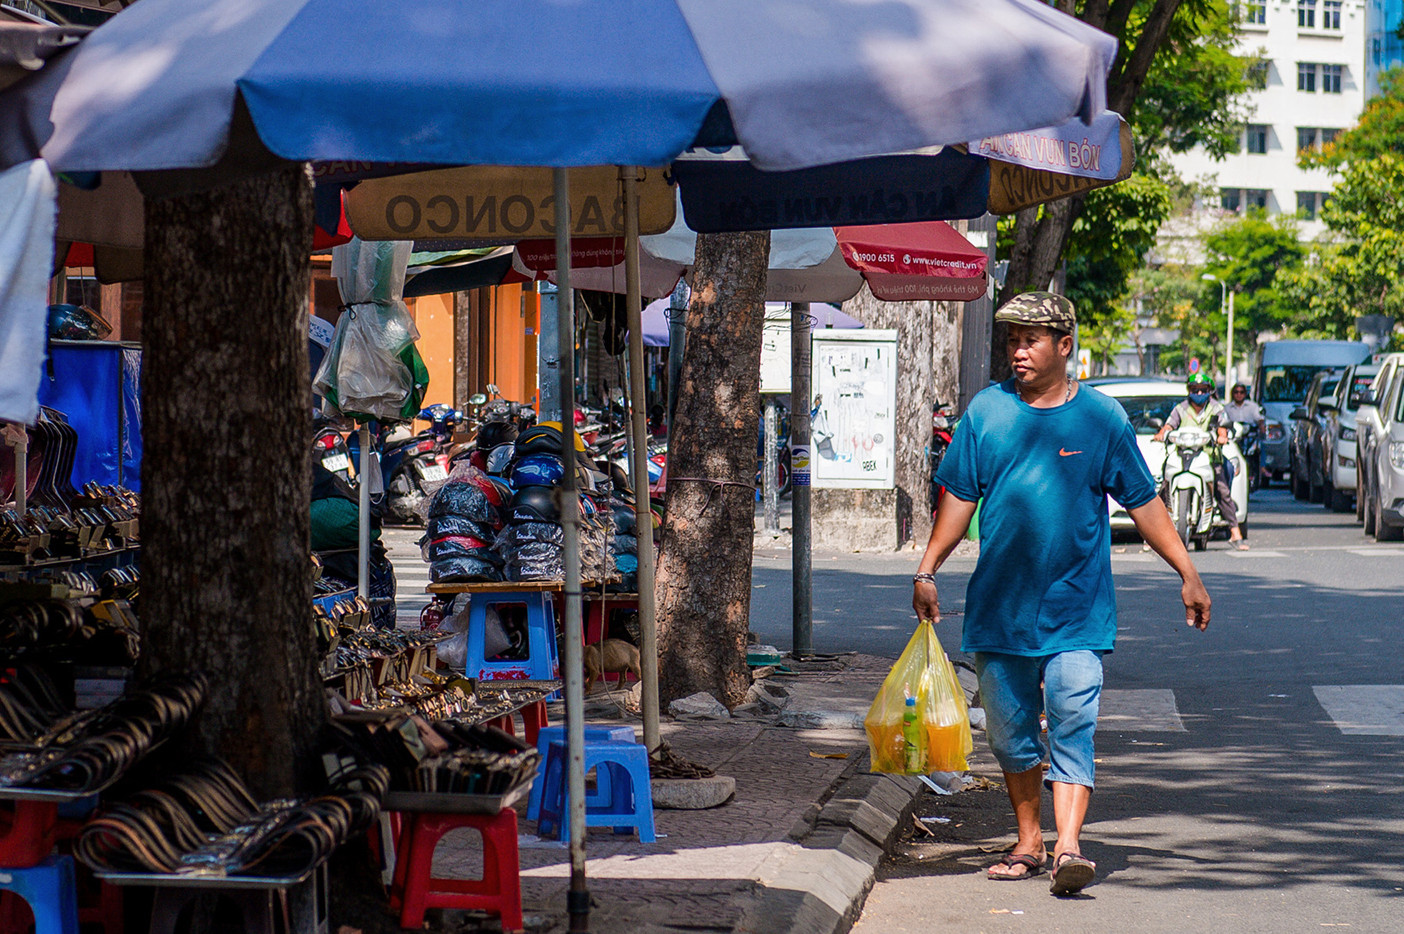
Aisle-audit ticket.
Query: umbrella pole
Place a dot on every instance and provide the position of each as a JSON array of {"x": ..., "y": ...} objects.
[
  {"x": 578, "y": 897},
  {"x": 802, "y": 619},
  {"x": 638, "y": 465},
  {"x": 363, "y": 517}
]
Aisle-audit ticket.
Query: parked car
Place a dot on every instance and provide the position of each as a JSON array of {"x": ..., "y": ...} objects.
[
  {"x": 1148, "y": 403},
  {"x": 1338, "y": 447},
  {"x": 1380, "y": 436},
  {"x": 1304, "y": 437},
  {"x": 1282, "y": 373}
]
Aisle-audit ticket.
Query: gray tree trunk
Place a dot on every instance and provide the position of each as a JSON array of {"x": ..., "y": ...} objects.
[
  {"x": 704, "y": 571},
  {"x": 226, "y": 476}
]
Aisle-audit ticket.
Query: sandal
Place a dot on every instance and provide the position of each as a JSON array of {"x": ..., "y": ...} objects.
[
  {"x": 1071, "y": 873},
  {"x": 1033, "y": 865},
  {"x": 1238, "y": 544}
]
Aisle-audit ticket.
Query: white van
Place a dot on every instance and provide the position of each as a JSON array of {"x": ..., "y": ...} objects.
[{"x": 1282, "y": 373}]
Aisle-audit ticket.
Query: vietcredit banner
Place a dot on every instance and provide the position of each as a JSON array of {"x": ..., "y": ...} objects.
[{"x": 1073, "y": 148}]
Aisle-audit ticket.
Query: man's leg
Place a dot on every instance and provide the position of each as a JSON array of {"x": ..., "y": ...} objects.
[
  {"x": 1072, "y": 684},
  {"x": 1009, "y": 687}
]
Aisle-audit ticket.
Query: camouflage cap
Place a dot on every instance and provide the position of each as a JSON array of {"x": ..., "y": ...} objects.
[{"x": 1045, "y": 308}]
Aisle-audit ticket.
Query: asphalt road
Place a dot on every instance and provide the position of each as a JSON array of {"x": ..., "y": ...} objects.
[{"x": 1250, "y": 777}]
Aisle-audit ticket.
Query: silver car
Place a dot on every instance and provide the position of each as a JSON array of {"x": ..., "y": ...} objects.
[
  {"x": 1336, "y": 467},
  {"x": 1381, "y": 472}
]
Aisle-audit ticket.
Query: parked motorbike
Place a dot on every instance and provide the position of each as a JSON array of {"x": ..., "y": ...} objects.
[
  {"x": 497, "y": 409},
  {"x": 943, "y": 420},
  {"x": 330, "y": 451},
  {"x": 335, "y": 529},
  {"x": 412, "y": 466}
]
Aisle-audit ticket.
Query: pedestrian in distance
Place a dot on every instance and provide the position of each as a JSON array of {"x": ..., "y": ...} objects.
[
  {"x": 1042, "y": 453},
  {"x": 1200, "y": 410}
]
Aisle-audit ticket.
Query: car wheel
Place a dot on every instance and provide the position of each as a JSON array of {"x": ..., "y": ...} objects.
[
  {"x": 1383, "y": 532},
  {"x": 1359, "y": 496},
  {"x": 1299, "y": 486},
  {"x": 1315, "y": 492},
  {"x": 1369, "y": 519},
  {"x": 1337, "y": 500}
]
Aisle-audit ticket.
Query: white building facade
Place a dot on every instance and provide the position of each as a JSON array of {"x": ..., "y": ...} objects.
[{"x": 1316, "y": 82}]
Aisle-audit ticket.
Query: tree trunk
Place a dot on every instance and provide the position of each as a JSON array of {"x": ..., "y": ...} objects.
[
  {"x": 704, "y": 572},
  {"x": 226, "y": 477}
]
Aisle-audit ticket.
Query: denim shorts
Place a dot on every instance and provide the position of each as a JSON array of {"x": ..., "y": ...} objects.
[{"x": 1066, "y": 687}]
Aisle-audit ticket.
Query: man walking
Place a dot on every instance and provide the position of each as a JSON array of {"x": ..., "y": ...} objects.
[{"x": 1042, "y": 453}]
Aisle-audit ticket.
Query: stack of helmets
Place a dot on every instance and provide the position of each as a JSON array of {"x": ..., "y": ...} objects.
[
  {"x": 531, "y": 543},
  {"x": 596, "y": 538},
  {"x": 625, "y": 550},
  {"x": 464, "y": 518}
]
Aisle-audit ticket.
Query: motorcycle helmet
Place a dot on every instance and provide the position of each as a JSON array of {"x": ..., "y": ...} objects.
[
  {"x": 537, "y": 470},
  {"x": 76, "y": 323},
  {"x": 493, "y": 434},
  {"x": 1200, "y": 379},
  {"x": 499, "y": 459},
  {"x": 535, "y": 504},
  {"x": 539, "y": 439},
  {"x": 504, "y": 492},
  {"x": 624, "y": 517}
]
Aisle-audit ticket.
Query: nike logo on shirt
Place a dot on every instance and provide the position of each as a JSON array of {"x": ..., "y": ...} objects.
[{"x": 1064, "y": 453}]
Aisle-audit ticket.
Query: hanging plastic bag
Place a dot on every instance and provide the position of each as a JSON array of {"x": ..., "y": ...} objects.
[
  {"x": 361, "y": 376},
  {"x": 933, "y": 733}
]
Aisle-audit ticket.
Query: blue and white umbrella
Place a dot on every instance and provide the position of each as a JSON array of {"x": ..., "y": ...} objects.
[{"x": 551, "y": 82}]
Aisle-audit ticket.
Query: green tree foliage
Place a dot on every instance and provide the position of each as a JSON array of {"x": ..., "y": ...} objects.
[
  {"x": 1109, "y": 239},
  {"x": 1170, "y": 295},
  {"x": 1380, "y": 130},
  {"x": 1362, "y": 272},
  {"x": 1195, "y": 91},
  {"x": 1248, "y": 253}
]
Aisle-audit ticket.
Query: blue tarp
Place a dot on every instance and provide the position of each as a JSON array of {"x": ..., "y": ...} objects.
[{"x": 97, "y": 386}]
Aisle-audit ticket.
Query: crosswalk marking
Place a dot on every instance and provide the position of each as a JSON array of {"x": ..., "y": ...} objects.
[
  {"x": 1364, "y": 709},
  {"x": 1257, "y": 554},
  {"x": 1147, "y": 709},
  {"x": 1378, "y": 552}
]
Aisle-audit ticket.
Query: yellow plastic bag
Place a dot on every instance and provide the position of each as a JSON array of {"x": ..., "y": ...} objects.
[{"x": 937, "y": 737}]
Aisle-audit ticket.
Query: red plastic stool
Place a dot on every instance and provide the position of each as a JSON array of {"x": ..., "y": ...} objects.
[
  {"x": 416, "y": 888},
  {"x": 533, "y": 719},
  {"x": 29, "y": 834}
]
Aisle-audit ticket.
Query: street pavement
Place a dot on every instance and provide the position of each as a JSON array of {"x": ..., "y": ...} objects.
[{"x": 1249, "y": 779}]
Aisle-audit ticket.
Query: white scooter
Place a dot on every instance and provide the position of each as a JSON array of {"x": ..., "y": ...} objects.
[{"x": 1188, "y": 484}]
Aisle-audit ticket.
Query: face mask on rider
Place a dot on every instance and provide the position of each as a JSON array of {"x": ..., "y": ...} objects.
[{"x": 1199, "y": 398}]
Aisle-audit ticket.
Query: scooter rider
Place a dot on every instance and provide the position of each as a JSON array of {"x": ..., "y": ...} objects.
[
  {"x": 1242, "y": 409},
  {"x": 1201, "y": 411}
]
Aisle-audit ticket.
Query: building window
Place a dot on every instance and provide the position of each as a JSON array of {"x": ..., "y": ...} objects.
[
  {"x": 1306, "y": 137},
  {"x": 1306, "y": 14},
  {"x": 1329, "y": 134},
  {"x": 1254, "y": 12},
  {"x": 1257, "y": 138},
  {"x": 1231, "y": 199},
  {"x": 1306, "y": 77},
  {"x": 1256, "y": 198},
  {"x": 1330, "y": 14},
  {"x": 1331, "y": 78},
  {"x": 1306, "y": 205}
]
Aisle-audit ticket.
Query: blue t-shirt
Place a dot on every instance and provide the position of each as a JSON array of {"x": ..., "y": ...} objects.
[{"x": 1043, "y": 583}]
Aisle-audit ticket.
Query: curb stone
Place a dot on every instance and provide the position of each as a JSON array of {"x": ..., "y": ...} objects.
[{"x": 823, "y": 891}]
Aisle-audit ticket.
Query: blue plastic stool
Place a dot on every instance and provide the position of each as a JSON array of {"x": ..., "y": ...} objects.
[
  {"x": 593, "y": 734},
  {"x": 631, "y": 794},
  {"x": 50, "y": 891},
  {"x": 543, "y": 660}
]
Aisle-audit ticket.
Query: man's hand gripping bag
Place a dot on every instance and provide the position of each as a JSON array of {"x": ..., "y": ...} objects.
[{"x": 939, "y": 739}]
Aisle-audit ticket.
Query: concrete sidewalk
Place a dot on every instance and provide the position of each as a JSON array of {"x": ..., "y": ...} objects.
[{"x": 794, "y": 850}]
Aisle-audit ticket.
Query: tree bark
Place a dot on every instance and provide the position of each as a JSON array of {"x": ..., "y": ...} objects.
[
  {"x": 226, "y": 476},
  {"x": 704, "y": 572}
]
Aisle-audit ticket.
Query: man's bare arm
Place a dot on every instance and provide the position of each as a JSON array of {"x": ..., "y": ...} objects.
[
  {"x": 1154, "y": 524},
  {"x": 952, "y": 519}
]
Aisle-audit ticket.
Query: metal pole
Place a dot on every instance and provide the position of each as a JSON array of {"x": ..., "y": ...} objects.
[
  {"x": 801, "y": 560},
  {"x": 638, "y": 467},
  {"x": 363, "y": 517},
  {"x": 1228, "y": 354},
  {"x": 578, "y": 897},
  {"x": 769, "y": 488},
  {"x": 677, "y": 344},
  {"x": 22, "y": 472}
]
